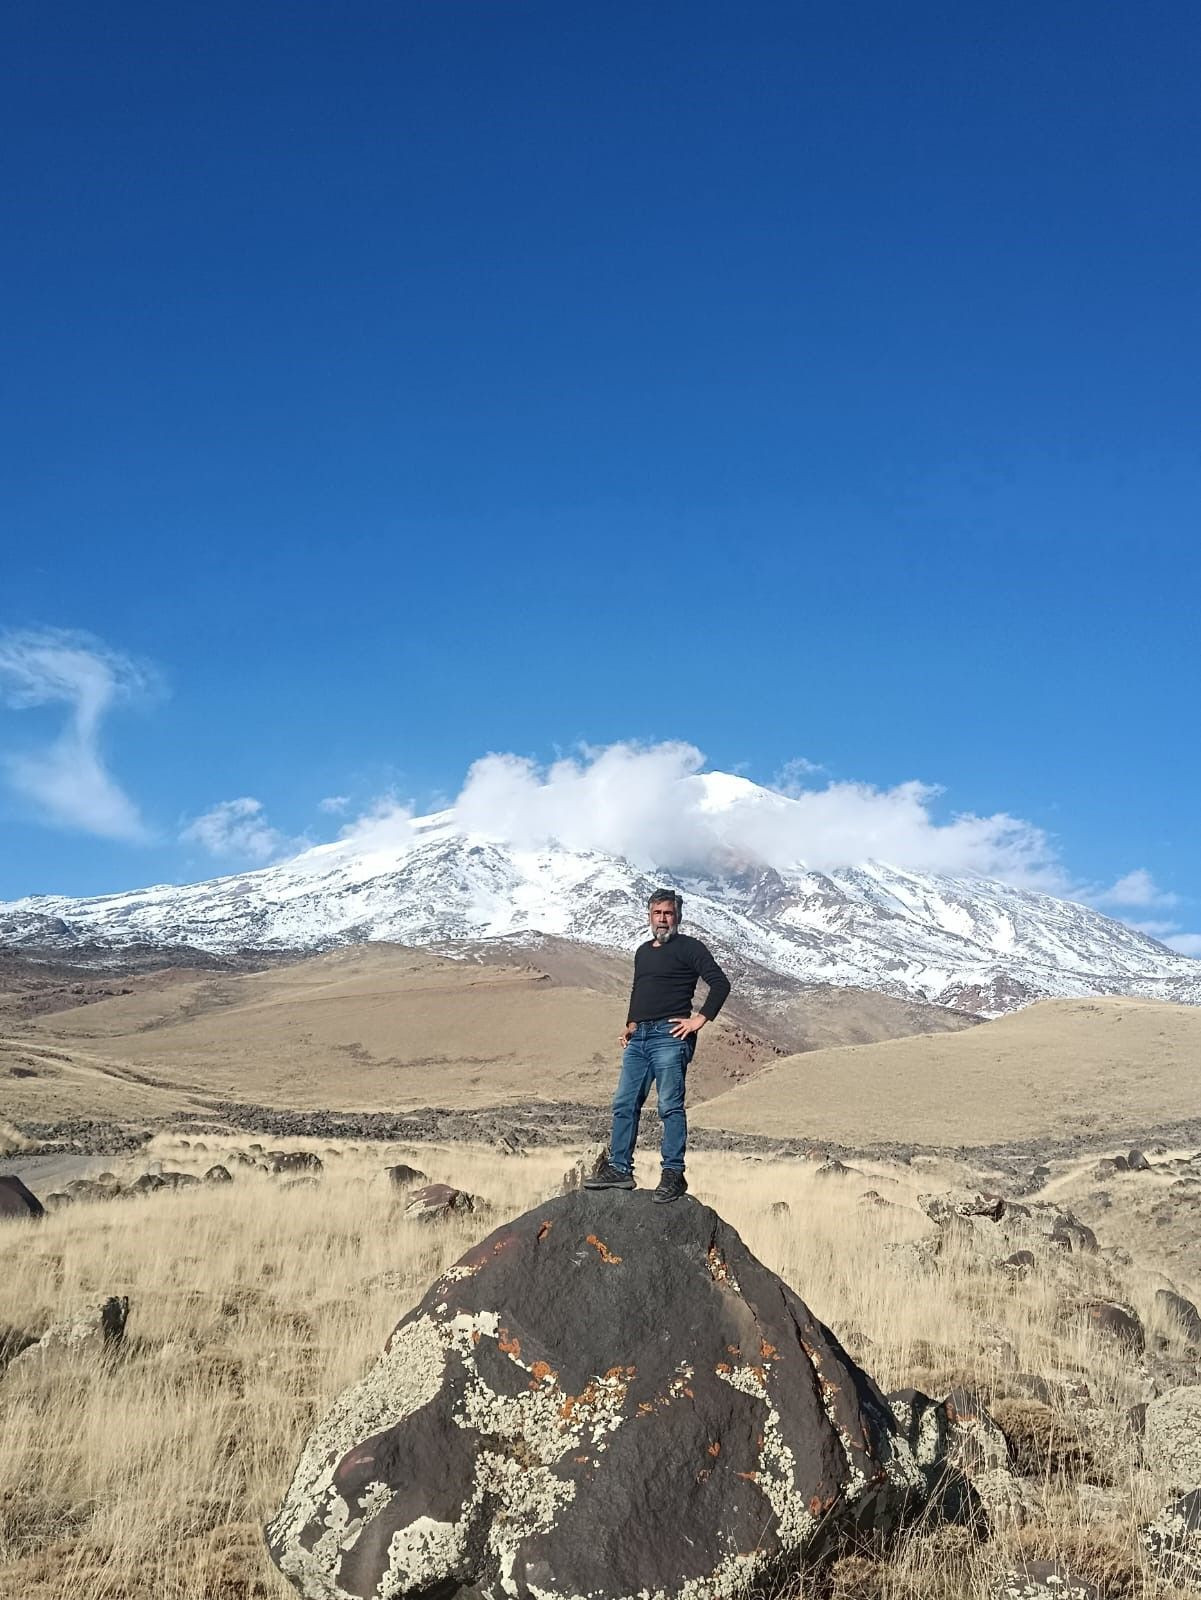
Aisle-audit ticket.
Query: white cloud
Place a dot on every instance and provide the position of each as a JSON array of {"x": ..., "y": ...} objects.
[
  {"x": 67, "y": 779},
  {"x": 649, "y": 804},
  {"x": 386, "y": 825},
  {"x": 1137, "y": 888},
  {"x": 1156, "y": 928},
  {"x": 793, "y": 777},
  {"x": 334, "y": 804},
  {"x": 238, "y": 830},
  {"x": 1185, "y": 944}
]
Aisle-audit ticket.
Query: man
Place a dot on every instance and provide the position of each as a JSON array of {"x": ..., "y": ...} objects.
[{"x": 658, "y": 1042}]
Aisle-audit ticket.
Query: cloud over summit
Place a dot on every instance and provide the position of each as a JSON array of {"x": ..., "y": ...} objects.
[{"x": 653, "y": 805}]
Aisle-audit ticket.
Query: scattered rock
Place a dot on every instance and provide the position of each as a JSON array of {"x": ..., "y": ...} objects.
[
  {"x": 85, "y": 1189},
  {"x": 679, "y": 1424},
  {"x": 573, "y": 1178},
  {"x": 1115, "y": 1321},
  {"x": 1019, "y": 1261},
  {"x": 218, "y": 1174},
  {"x": 438, "y": 1201},
  {"x": 1044, "y": 1580},
  {"x": 943, "y": 1208},
  {"x": 1137, "y": 1162},
  {"x": 17, "y": 1201},
  {"x": 146, "y": 1184},
  {"x": 1173, "y": 1542},
  {"x": 176, "y": 1180},
  {"x": 1180, "y": 1311},
  {"x": 964, "y": 1455},
  {"x": 403, "y": 1177},
  {"x": 833, "y": 1168},
  {"x": 509, "y": 1144},
  {"x": 95, "y": 1329},
  {"x": 779, "y": 1208},
  {"x": 1074, "y": 1236},
  {"x": 290, "y": 1161},
  {"x": 1172, "y": 1437}
]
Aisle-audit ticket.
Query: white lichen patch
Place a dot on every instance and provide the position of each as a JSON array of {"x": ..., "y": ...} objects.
[
  {"x": 525, "y": 1501},
  {"x": 775, "y": 1469},
  {"x": 406, "y": 1377},
  {"x": 422, "y": 1554}
]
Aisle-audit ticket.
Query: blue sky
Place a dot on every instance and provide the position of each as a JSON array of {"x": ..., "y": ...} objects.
[{"x": 388, "y": 385}]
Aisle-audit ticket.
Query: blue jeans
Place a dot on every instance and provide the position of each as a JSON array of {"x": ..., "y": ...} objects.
[{"x": 653, "y": 1055}]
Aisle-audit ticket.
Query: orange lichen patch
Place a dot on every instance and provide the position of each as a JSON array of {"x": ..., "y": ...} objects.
[
  {"x": 704, "y": 1474},
  {"x": 815, "y": 1506},
  {"x": 586, "y": 1397},
  {"x": 723, "y": 1367},
  {"x": 645, "y": 1408},
  {"x": 715, "y": 1448},
  {"x": 604, "y": 1252},
  {"x": 544, "y": 1230},
  {"x": 621, "y": 1372},
  {"x": 580, "y": 1460},
  {"x": 689, "y": 1393},
  {"x": 541, "y": 1370},
  {"x": 733, "y": 1350},
  {"x": 511, "y": 1347},
  {"x": 475, "y": 1336},
  {"x": 767, "y": 1351},
  {"x": 751, "y": 1477},
  {"x": 759, "y": 1376}
]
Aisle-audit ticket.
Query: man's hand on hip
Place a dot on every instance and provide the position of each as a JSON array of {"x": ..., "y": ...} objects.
[
  {"x": 683, "y": 1027},
  {"x": 627, "y": 1033}
]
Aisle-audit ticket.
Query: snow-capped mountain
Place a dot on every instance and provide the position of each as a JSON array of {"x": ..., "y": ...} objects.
[{"x": 975, "y": 944}]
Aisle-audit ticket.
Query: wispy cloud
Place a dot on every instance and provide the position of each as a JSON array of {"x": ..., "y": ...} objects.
[
  {"x": 238, "y": 830},
  {"x": 334, "y": 804},
  {"x": 1135, "y": 889},
  {"x": 66, "y": 780}
]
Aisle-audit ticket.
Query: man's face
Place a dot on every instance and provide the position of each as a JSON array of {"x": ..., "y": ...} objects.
[{"x": 663, "y": 920}]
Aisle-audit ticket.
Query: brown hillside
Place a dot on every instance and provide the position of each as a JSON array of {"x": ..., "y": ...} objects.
[{"x": 1061, "y": 1067}]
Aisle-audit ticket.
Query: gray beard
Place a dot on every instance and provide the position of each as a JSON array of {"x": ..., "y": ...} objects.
[{"x": 662, "y": 935}]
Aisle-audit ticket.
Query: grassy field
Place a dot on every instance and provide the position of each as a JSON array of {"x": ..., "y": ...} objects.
[{"x": 148, "y": 1477}]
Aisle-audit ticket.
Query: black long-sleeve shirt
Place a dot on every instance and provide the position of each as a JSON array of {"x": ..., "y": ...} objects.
[{"x": 665, "y": 980}]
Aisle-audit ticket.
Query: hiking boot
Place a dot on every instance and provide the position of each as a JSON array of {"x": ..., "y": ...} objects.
[
  {"x": 671, "y": 1186},
  {"x": 610, "y": 1177}
]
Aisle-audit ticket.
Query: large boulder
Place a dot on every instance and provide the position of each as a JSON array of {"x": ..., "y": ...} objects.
[
  {"x": 18, "y": 1201},
  {"x": 605, "y": 1397}
]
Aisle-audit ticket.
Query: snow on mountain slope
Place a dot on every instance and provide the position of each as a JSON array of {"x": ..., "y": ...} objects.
[{"x": 976, "y": 944}]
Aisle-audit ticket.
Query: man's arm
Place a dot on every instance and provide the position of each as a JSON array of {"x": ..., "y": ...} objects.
[
  {"x": 719, "y": 988},
  {"x": 719, "y": 984}
]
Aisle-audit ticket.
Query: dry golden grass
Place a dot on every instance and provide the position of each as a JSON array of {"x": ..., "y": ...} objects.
[
  {"x": 149, "y": 1476},
  {"x": 1094, "y": 1067}
]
